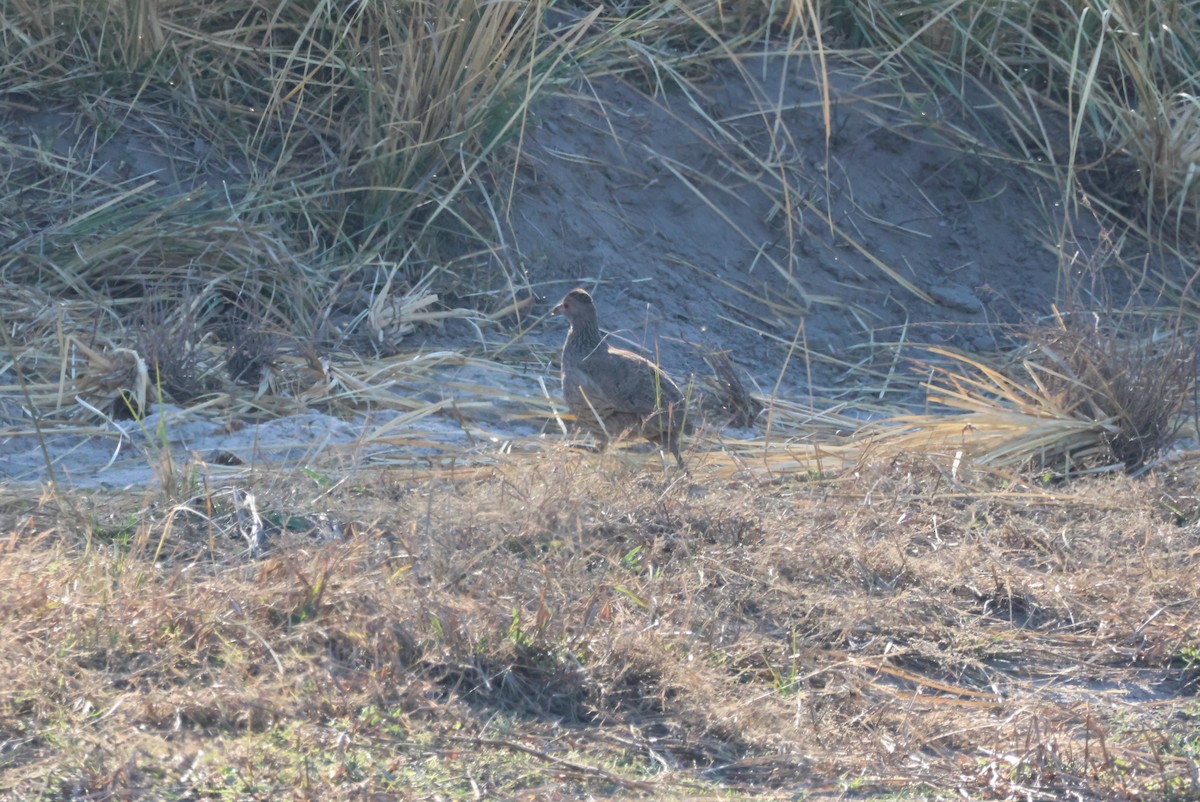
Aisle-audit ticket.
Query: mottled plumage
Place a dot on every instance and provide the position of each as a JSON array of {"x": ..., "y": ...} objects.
[{"x": 612, "y": 391}]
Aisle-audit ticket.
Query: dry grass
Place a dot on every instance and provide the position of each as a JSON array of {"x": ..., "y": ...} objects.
[
  {"x": 1122, "y": 75},
  {"x": 309, "y": 158},
  {"x": 1086, "y": 395},
  {"x": 557, "y": 621},
  {"x": 1138, "y": 381},
  {"x": 520, "y": 620}
]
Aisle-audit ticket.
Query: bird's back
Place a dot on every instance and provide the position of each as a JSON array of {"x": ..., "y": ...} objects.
[{"x": 611, "y": 391}]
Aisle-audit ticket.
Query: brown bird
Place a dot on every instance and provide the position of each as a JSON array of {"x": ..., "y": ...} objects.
[{"x": 611, "y": 391}]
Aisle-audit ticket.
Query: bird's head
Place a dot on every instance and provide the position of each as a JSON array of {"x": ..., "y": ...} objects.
[{"x": 575, "y": 305}]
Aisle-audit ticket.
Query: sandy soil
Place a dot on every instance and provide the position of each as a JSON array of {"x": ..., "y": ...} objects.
[
  {"x": 672, "y": 208},
  {"x": 678, "y": 230}
]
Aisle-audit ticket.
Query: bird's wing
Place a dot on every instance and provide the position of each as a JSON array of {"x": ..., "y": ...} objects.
[
  {"x": 603, "y": 396},
  {"x": 639, "y": 386}
]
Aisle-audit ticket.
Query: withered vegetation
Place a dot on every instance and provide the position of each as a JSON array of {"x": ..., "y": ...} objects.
[
  {"x": 995, "y": 597},
  {"x": 571, "y": 622}
]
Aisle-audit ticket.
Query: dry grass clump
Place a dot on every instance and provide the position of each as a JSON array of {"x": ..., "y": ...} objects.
[
  {"x": 1139, "y": 382},
  {"x": 284, "y": 159},
  {"x": 171, "y": 343},
  {"x": 664, "y": 41},
  {"x": 369, "y": 103},
  {"x": 1123, "y": 74},
  {"x": 1089, "y": 393},
  {"x": 555, "y": 618},
  {"x": 727, "y": 400}
]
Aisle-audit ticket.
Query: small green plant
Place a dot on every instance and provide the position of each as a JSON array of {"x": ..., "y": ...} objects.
[
  {"x": 1189, "y": 656},
  {"x": 119, "y": 535},
  {"x": 786, "y": 679},
  {"x": 516, "y": 633},
  {"x": 632, "y": 560}
]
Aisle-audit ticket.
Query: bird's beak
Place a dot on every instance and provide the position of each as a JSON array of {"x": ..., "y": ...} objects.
[{"x": 559, "y": 310}]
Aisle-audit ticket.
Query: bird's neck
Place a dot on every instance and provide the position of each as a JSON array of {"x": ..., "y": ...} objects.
[{"x": 584, "y": 336}]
